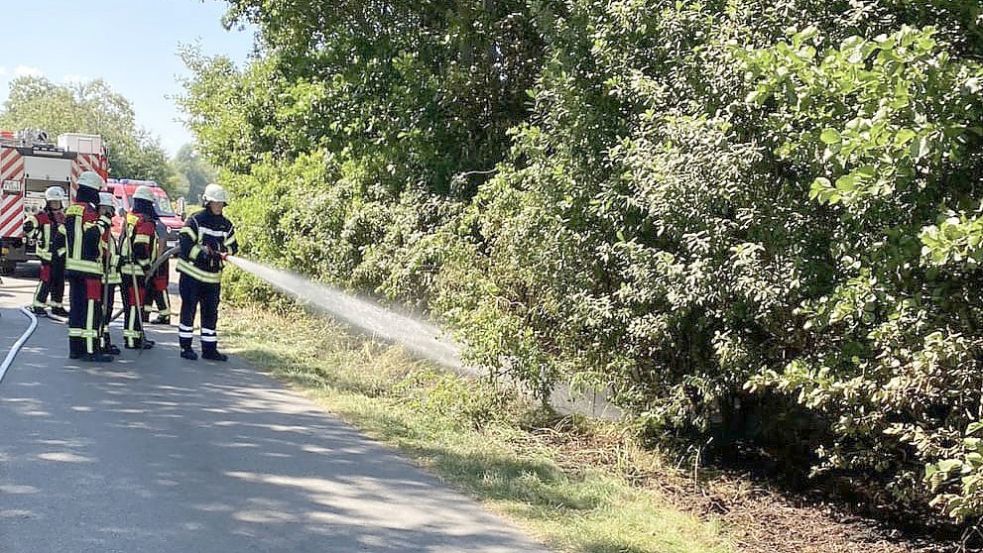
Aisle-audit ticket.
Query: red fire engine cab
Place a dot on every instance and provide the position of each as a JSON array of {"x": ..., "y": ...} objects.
[{"x": 29, "y": 164}]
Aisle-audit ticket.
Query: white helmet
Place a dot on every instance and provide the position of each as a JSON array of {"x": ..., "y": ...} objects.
[
  {"x": 144, "y": 193},
  {"x": 55, "y": 194},
  {"x": 90, "y": 179},
  {"x": 105, "y": 199},
  {"x": 215, "y": 193}
]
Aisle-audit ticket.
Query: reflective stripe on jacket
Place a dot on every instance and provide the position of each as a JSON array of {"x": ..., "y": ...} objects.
[
  {"x": 114, "y": 262},
  {"x": 83, "y": 232},
  {"x": 201, "y": 230},
  {"x": 139, "y": 244},
  {"x": 47, "y": 231}
]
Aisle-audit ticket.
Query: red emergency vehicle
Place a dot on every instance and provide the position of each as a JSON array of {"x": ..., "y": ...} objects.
[{"x": 123, "y": 189}]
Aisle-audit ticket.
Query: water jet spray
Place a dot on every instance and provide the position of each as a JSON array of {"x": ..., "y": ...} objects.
[{"x": 419, "y": 337}]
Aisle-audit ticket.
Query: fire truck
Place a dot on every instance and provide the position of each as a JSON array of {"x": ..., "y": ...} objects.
[{"x": 29, "y": 164}]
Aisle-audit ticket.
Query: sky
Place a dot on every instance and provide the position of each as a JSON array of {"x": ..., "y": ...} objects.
[{"x": 131, "y": 44}]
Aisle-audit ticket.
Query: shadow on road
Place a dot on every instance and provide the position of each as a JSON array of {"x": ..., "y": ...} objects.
[{"x": 155, "y": 454}]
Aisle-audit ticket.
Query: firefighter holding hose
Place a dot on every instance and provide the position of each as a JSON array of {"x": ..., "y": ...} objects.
[
  {"x": 206, "y": 239},
  {"x": 85, "y": 232},
  {"x": 138, "y": 251}
]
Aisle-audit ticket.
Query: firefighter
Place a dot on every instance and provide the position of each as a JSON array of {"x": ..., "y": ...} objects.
[
  {"x": 111, "y": 278},
  {"x": 46, "y": 228},
  {"x": 207, "y": 237},
  {"x": 138, "y": 251},
  {"x": 85, "y": 232},
  {"x": 157, "y": 288}
]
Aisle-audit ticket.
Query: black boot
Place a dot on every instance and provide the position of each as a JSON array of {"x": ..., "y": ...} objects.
[
  {"x": 189, "y": 354},
  {"x": 107, "y": 347},
  {"x": 214, "y": 355},
  {"x": 59, "y": 311},
  {"x": 141, "y": 344},
  {"x": 39, "y": 311},
  {"x": 161, "y": 320},
  {"x": 74, "y": 351}
]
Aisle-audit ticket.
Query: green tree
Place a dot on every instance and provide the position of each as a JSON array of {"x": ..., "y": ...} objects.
[
  {"x": 93, "y": 108},
  {"x": 193, "y": 172}
]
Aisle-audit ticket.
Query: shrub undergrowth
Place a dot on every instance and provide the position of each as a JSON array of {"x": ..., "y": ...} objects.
[{"x": 751, "y": 220}]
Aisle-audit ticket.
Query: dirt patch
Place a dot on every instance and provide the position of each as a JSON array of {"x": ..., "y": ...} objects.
[{"x": 757, "y": 517}]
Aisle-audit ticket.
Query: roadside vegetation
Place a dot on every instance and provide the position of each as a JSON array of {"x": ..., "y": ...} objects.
[
  {"x": 579, "y": 485},
  {"x": 757, "y": 223}
]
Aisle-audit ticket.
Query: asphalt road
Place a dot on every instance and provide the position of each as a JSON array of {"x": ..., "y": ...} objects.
[{"x": 155, "y": 454}]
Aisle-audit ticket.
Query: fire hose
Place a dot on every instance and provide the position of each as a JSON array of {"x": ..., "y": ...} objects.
[{"x": 151, "y": 272}]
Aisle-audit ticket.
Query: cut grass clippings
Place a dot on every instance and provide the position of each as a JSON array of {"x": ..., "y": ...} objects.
[{"x": 474, "y": 435}]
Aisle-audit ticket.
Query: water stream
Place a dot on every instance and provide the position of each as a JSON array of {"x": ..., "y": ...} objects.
[{"x": 419, "y": 337}]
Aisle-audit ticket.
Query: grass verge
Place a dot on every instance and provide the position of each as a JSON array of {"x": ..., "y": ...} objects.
[{"x": 476, "y": 436}]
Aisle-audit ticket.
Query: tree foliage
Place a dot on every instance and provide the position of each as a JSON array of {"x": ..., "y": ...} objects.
[
  {"x": 93, "y": 108},
  {"x": 755, "y": 221},
  {"x": 193, "y": 172}
]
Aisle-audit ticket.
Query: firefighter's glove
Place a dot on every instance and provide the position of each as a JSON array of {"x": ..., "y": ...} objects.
[{"x": 213, "y": 253}]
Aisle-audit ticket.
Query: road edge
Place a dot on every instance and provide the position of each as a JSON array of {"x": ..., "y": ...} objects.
[{"x": 19, "y": 343}]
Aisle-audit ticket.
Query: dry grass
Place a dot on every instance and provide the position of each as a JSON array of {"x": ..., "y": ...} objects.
[
  {"x": 580, "y": 486},
  {"x": 755, "y": 517}
]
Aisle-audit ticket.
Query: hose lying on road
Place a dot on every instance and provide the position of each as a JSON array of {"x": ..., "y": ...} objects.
[{"x": 19, "y": 343}]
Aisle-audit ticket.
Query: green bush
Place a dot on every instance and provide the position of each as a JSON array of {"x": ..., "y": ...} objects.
[
  {"x": 753, "y": 221},
  {"x": 889, "y": 129}
]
